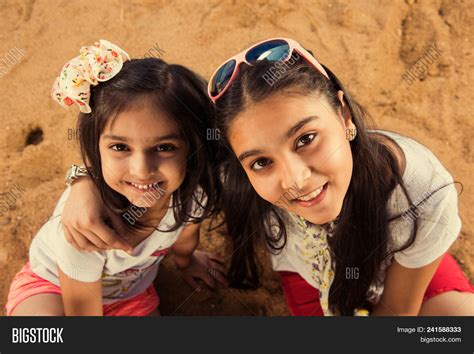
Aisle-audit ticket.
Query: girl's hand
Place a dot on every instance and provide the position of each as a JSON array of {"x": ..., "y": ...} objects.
[
  {"x": 204, "y": 267},
  {"x": 84, "y": 220}
]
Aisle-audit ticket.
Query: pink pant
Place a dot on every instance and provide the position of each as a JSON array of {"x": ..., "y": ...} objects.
[
  {"x": 303, "y": 299},
  {"x": 26, "y": 284}
]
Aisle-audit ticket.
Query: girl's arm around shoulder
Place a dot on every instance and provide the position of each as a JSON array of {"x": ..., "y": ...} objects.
[
  {"x": 80, "y": 298},
  {"x": 404, "y": 289}
]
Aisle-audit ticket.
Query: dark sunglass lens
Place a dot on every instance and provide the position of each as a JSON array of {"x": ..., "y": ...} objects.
[
  {"x": 222, "y": 77},
  {"x": 276, "y": 50}
]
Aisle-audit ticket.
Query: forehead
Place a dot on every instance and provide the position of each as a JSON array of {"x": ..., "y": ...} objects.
[
  {"x": 270, "y": 119},
  {"x": 142, "y": 118}
]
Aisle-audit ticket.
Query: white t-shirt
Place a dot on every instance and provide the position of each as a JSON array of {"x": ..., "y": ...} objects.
[
  {"x": 438, "y": 220},
  {"x": 123, "y": 276}
]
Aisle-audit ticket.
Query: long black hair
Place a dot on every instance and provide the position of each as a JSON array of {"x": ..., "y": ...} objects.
[
  {"x": 361, "y": 237},
  {"x": 179, "y": 92}
]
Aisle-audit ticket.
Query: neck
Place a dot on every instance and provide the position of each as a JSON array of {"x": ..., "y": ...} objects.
[
  {"x": 153, "y": 215},
  {"x": 150, "y": 218}
]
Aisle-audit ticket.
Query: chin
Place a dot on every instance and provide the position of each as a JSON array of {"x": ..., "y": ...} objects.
[
  {"x": 321, "y": 219},
  {"x": 146, "y": 201},
  {"x": 142, "y": 204}
]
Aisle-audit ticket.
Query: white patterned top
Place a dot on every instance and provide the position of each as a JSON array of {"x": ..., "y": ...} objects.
[{"x": 307, "y": 252}]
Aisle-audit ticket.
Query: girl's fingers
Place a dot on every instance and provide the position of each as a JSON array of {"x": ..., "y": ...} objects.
[
  {"x": 193, "y": 284},
  {"x": 219, "y": 277},
  {"x": 209, "y": 280},
  {"x": 117, "y": 223},
  {"x": 218, "y": 266},
  {"x": 217, "y": 271},
  {"x": 70, "y": 239},
  {"x": 109, "y": 237},
  {"x": 217, "y": 258},
  {"x": 83, "y": 243},
  {"x": 93, "y": 239}
]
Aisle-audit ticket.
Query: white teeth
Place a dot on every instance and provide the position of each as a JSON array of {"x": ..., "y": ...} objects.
[
  {"x": 311, "y": 195},
  {"x": 144, "y": 186}
]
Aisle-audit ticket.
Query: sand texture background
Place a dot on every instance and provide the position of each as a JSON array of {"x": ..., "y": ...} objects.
[{"x": 370, "y": 45}]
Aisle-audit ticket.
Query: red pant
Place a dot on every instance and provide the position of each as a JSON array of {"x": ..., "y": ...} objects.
[
  {"x": 26, "y": 284},
  {"x": 303, "y": 299}
]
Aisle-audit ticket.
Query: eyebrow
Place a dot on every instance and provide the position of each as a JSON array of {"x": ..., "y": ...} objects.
[
  {"x": 288, "y": 135},
  {"x": 299, "y": 125},
  {"x": 160, "y": 138}
]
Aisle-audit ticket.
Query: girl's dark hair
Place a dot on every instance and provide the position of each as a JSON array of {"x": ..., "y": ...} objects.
[
  {"x": 361, "y": 237},
  {"x": 180, "y": 93}
]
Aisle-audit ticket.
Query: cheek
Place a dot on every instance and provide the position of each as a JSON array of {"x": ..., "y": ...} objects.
[
  {"x": 339, "y": 168},
  {"x": 108, "y": 165},
  {"x": 174, "y": 170},
  {"x": 335, "y": 157},
  {"x": 266, "y": 187}
]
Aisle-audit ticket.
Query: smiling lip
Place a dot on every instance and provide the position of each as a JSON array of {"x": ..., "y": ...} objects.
[
  {"x": 314, "y": 200},
  {"x": 142, "y": 188}
]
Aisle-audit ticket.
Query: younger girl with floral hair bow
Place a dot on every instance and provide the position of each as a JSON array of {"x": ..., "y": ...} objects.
[{"x": 142, "y": 125}]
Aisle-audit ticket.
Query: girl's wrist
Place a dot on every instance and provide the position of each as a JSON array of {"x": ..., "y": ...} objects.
[{"x": 74, "y": 173}]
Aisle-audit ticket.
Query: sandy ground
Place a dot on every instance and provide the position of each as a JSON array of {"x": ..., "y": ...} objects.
[{"x": 370, "y": 45}]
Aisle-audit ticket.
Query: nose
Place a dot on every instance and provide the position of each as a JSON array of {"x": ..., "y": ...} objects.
[
  {"x": 294, "y": 173},
  {"x": 142, "y": 166}
]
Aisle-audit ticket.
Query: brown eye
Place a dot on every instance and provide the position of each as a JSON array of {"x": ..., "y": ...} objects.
[
  {"x": 118, "y": 147},
  {"x": 166, "y": 148},
  {"x": 305, "y": 140},
  {"x": 260, "y": 164}
]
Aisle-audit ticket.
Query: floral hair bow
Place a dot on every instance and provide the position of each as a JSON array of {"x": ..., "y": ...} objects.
[{"x": 97, "y": 63}]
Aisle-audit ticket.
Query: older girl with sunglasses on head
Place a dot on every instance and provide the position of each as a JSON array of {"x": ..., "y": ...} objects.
[{"x": 358, "y": 221}]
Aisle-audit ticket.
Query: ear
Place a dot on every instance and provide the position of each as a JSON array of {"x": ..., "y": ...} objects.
[{"x": 345, "y": 112}]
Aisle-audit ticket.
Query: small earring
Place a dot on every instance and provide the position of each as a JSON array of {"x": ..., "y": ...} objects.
[{"x": 351, "y": 133}]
